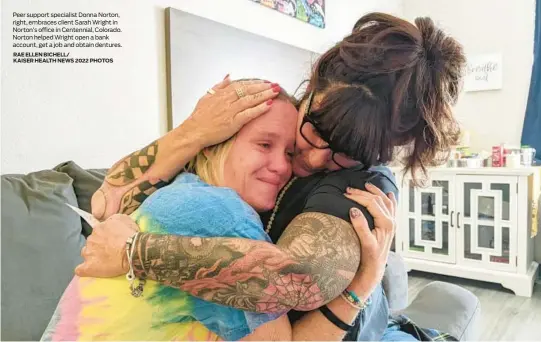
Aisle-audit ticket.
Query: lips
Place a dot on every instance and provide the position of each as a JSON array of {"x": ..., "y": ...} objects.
[{"x": 272, "y": 181}]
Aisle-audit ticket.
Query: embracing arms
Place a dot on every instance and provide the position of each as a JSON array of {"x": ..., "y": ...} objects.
[
  {"x": 104, "y": 251},
  {"x": 314, "y": 261}
]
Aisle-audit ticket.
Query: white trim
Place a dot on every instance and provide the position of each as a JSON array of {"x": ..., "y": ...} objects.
[
  {"x": 521, "y": 284},
  {"x": 497, "y": 171}
]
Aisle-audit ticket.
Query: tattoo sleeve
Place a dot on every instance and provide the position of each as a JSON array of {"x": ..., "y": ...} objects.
[
  {"x": 129, "y": 170},
  {"x": 313, "y": 262},
  {"x": 127, "y": 184}
]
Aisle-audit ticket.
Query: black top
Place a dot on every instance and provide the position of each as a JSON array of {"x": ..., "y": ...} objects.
[{"x": 324, "y": 193}]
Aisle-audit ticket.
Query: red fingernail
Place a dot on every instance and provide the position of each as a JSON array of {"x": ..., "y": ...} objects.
[
  {"x": 269, "y": 102},
  {"x": 226, "y": 76},
  {"x": 275, "y": 85},
  {"x": 276, "y": 89}
]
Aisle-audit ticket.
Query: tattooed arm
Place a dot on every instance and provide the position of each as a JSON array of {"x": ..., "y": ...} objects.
[
  {"x": 313, "y": 262},
  {"x": 131, "y": 180}
]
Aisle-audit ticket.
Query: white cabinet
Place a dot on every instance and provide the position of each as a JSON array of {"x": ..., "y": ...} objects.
[{"x": 470, "y": 223}]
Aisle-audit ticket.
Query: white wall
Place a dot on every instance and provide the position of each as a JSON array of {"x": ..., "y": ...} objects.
[
  {"x": 486, "y": 26},
  {"x": 95, "y": 114}
]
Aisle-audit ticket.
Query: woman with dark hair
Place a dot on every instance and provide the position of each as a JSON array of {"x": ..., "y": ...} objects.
[{"x": 388, "y": 84}]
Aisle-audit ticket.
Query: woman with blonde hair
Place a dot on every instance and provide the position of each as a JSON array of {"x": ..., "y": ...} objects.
[{"x": 224, "y": 188}]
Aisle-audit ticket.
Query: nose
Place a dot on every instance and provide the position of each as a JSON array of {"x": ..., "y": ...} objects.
[{"x": 281, "y": 165}]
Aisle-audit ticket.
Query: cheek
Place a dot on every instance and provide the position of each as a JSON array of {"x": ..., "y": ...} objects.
[{"x": 301, "y": 143}]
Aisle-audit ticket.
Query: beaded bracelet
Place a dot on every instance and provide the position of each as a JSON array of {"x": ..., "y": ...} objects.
[{"x": 352, "y": 299}]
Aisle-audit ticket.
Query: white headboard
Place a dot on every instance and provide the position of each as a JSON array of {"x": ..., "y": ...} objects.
[{"x": 201, "y": 52}]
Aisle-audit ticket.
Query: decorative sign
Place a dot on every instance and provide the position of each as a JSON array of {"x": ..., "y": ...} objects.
[
  {"x": 484, "y": 72},
  {"x": 310, "y": 11}
]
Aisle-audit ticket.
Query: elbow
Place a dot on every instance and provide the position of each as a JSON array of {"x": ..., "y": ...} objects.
[
  {"x": 318, "y": 285},
  {"x": 315, "y": 289}
]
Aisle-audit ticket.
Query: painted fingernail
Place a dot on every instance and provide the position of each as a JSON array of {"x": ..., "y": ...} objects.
[
  {"x": 276, "y": 89},
  {"x": 226, "y": 76},
  {"x": 348, "y": 189},
  {"x": 269, "y": 102},
  {"x": 354, "y": 212},
  {"x": 274, "y": 85}
]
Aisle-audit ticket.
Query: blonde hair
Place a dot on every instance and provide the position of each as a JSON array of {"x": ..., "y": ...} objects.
[{"x": 209, "y": 163}]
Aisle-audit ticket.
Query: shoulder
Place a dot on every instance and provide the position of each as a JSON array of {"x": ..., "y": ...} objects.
[
  {"x": 218, "y": 198},
  {"x": 379, "y": 176},
  {"x": 327, "y": 196},
  {"x": 188, "y": 197}
]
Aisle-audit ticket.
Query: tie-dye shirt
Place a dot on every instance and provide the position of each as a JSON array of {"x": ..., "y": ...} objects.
[{"x": 104, "y": 309}]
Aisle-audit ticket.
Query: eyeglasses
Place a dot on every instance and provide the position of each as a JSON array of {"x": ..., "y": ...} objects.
[{"x": 309, "y": 129}]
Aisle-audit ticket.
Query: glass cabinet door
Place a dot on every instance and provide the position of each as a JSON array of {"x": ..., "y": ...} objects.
[
  {"x": 429, "y": 231},
  {"x": 486, "y": 220}
]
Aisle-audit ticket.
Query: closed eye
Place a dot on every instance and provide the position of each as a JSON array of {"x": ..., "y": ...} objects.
[{"x": 290, "y": 154}]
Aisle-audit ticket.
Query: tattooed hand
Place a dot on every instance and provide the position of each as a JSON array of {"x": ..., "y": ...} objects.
[{"x": 105, "y": 254}]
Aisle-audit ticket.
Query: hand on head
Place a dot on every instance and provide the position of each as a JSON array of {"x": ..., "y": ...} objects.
[
  {"x": 227, "y": 107},
  {"x": 219, "y": 114},
  {"x": 375, "y": 244}
]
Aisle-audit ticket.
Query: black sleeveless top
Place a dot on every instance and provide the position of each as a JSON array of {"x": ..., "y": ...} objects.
[{"x": 324, "y": 193}]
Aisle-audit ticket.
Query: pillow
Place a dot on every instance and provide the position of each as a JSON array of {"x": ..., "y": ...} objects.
[
  {"x": 85, "y": 183},
  {"x": 41, "y": 243}
]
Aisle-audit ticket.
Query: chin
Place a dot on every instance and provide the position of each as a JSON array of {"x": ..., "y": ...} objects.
[{"x": 262, "y": 206}]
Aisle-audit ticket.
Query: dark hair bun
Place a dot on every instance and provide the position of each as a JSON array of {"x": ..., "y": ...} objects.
[{"x": 388, "y": 84}]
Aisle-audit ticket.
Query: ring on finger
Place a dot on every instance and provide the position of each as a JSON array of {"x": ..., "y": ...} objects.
[
  {"x": 240, "y": 92},
  {"x": 211, "y": 91}
]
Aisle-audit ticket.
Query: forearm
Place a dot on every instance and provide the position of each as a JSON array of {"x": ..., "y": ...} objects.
[
  {"x": 246, "y": 274},
  {"x": 135, "y": 177},
  {"x": 312, "y": 326},
  {"x": 304, "y": 271},
  {"x": 315, "y": 326}
]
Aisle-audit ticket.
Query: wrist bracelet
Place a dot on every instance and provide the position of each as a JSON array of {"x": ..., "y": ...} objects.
[
  {"x": 130, "y": 248},
  {"x": 334, "y": 319},
  {"x": 353, "y": 300}
]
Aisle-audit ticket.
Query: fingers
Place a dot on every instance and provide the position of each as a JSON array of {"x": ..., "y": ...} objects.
[
  {"x": 247, "y": 87},
  {"x": 223, "y": 84},
  {"x": 258, "y": 99},
  {"x": 254, "y": 95},
  {"x": 371, "y": 204},
  {"x": 392, "y": 197},
  {"x": 256, "y": 88},
  {"x": 375, "y": 191},
  {"x": 251, "y": 113},
  {"x": 359, "y": 223},
  {"x": 80, "y": 270}
]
